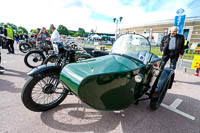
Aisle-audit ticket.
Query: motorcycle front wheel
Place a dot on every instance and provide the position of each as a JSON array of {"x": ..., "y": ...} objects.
[
  {"x": 43, "y": 93},
  {"x": 24, "y": 47},
  {"x": 34, "y": 58}
]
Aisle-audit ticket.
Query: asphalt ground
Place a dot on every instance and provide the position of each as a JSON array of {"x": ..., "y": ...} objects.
[{"x": 74, "y": 116}]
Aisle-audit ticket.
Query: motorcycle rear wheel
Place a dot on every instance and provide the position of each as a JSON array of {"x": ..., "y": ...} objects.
[
  {"x": 51, "y": 60},
  {"x": 42, "y": 93}
]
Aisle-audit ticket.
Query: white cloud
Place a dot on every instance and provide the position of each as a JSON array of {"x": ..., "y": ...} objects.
[{"x": 76, "y": 13}]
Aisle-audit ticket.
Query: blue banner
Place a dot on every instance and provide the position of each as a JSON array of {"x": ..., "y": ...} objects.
[{"x": 179, "y": 22}]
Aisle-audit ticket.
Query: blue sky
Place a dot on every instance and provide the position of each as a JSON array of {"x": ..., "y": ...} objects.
[{"x": 93, "y": 14}]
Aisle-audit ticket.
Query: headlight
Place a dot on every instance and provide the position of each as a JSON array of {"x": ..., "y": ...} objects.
[{"x": 138, "y": 78}]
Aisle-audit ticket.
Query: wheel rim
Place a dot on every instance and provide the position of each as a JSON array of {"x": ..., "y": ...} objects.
[
  {"x": 24, "y": 48},
  {"x": 35, "y": 59},
  {"x": 48, "y": 91}
]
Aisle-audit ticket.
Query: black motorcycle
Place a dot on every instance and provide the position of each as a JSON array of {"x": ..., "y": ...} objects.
[
  {"x": 80, "y": 52},
  {"x": 36, "y": 57},
  {"x": 26, "y": 45}
]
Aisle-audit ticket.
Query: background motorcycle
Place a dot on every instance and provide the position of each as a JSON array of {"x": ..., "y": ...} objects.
[
  {"x": 80, "y": 53},
  {"x": 36, "y": 56},
  {"x": 26, "y": 46}
]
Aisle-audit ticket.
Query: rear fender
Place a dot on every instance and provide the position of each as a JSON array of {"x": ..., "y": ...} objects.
[{"x": 44, "y": 69}]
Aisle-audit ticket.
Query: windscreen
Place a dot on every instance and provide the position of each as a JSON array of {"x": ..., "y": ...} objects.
[{"x": 132, "y": 45}]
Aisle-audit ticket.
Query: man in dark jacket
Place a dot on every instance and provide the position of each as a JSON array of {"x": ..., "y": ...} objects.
[{"x": 172, "y": 47}]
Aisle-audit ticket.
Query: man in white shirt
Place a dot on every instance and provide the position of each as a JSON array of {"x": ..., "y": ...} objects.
[{"x": 55, "y": 37}]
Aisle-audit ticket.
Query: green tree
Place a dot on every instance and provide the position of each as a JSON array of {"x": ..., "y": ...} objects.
[
  {"x": 1, "y": 24},
  {"x": 38, "y": 29},
  {"x": 81, "y": 32},
  {"x": 63, "y": 30},
  {"x": 22, "y": 30},
  {"x": 33, "y": 31},
  {"x": 49, "y": 31},
  {"x": 13, "y": 27}
]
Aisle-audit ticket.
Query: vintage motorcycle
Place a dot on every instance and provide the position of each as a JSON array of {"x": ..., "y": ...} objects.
[
  {"x": 111, "y": 82},
  {"x": 26, "y": 46},
  {"x": 35, "y": 57},
  {"x": 85, "y": 52}
]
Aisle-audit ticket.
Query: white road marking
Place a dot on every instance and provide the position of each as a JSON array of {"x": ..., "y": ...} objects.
[
  {"x": 173, "y": 107},
  {"x": 176, "y": 103}
]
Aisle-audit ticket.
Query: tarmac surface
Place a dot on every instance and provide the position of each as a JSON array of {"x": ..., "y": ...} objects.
[{"x": 179, "y": 113}]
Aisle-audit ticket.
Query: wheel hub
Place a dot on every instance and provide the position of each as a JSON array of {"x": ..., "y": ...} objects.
[
  {"x": 48, "y": 89},
  {"x": 35, "y": 59}
]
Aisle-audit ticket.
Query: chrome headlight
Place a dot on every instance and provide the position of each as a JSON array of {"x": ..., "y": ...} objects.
[{"x": 138, "y": 78}]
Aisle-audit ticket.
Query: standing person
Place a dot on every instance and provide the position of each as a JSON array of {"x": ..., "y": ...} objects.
[
  {"x": 55, "y": 37},
  {"x": 17, "y": 38},
  {"x": 43, "y": 35},
  {"x": 9, "y": 39},
  {"x": 186, "y": 45},
  {"x": 172, "y": 47},
  {"x": 1, "y": 43}
]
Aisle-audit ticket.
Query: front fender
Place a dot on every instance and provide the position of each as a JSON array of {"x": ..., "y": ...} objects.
[
  {"x": 166, "y": 75},
  {"x": 42, "y": 70}
]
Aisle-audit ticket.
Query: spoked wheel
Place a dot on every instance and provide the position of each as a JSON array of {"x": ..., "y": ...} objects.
[
  {"x": 155, "y": 102},
  {"x": 51, "y": 59},
  {"x": 24, "y": 47},
  {"x": 43, "y": 93},
  {"x": 34, "y": 58}
]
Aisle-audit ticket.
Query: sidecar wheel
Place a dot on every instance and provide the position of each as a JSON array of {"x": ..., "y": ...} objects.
[
  {"x": 43, "y": 93},
  {"x": 155, "y": 102}
]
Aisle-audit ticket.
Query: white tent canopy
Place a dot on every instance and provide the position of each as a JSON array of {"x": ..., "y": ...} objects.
[{"x": 95, "y": 36}]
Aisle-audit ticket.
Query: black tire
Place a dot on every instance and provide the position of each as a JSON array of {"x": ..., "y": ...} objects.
[
  {"x": 155, "y": 102},
  {"x": 51, "y": 59},
  {"x": 31, "y": 89},
  {"x": 38, "y": 58},
  {"x": 24, "y": 47}
]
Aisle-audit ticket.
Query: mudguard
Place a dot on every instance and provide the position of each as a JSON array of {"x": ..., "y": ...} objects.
[
  {"x": 166, "y": 75},
  {"x": 41, "y": 70}
]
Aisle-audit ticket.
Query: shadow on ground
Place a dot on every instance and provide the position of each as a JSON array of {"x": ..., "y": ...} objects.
[
  {"x": 81, "y": 118},
  {"x": 9, "y": 86}
]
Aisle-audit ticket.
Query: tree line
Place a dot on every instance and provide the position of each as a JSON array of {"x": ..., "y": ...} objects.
[{"x": 61, "y": 29}]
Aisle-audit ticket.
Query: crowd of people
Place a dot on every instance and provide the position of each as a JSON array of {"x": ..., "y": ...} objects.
[{"x": 7, "y": 38}]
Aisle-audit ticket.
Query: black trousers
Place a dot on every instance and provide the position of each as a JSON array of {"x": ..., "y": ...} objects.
[
  {"x": 1, "y": 43},
  {"x": 10, "y": 45},
  {"x": 173, "y": 60}
]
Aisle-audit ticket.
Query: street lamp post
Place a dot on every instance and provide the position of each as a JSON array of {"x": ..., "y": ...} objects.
[{"x": 117, "y": 21}]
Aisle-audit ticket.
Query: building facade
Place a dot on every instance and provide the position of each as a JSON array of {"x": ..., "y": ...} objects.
[{"x": 191, "y": 28}]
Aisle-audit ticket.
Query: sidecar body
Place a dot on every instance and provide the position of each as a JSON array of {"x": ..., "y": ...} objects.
[{"x": 114, "y": 81}]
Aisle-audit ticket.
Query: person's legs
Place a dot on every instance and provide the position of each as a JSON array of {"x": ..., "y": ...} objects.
[
  {"x": 8, "y": 43},
  {"x": 1, "y": 68},
  {"x": 164, "y": 60},
  {"x": 173, "y": 61},
  {"x": 12, "y": 46}
]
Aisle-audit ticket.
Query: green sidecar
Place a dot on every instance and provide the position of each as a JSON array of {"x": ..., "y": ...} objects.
[{"x": 116, "y": 81}]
